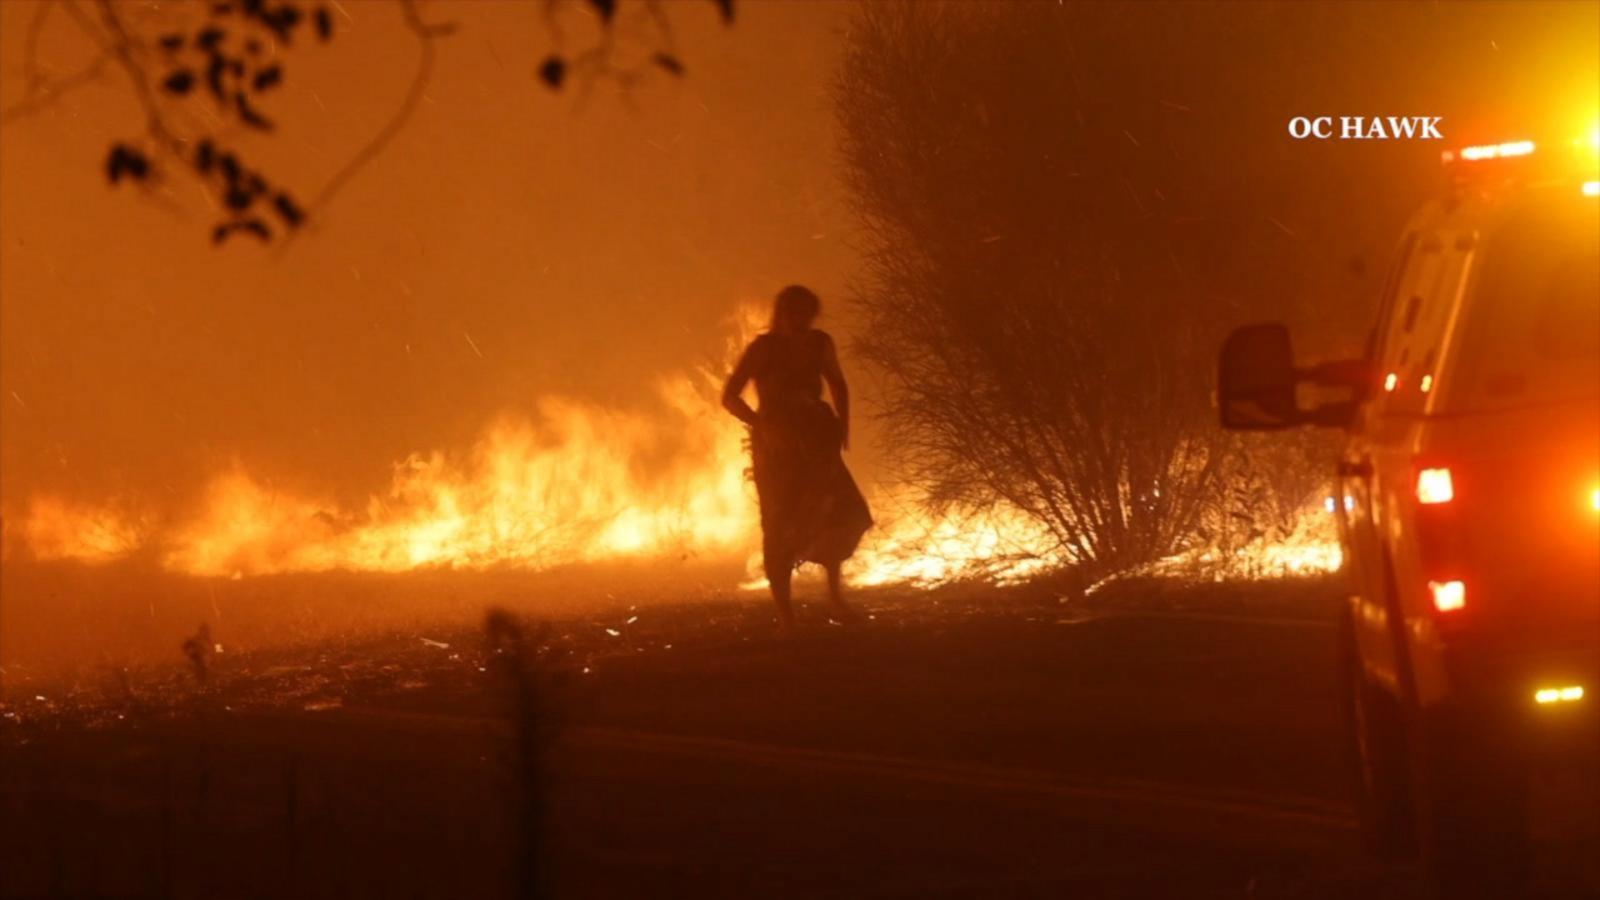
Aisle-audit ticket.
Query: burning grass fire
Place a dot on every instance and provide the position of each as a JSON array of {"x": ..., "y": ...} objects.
[{"x": 575, "y": 483}]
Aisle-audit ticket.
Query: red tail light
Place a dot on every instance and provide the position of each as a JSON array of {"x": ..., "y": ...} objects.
[
  {"x": 1448, "y": 596},
  {"x": 1435, "y": 486},
  {"x": 1439, "y": 538}
]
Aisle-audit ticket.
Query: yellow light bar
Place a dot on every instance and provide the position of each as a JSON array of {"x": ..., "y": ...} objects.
[
  {"x": 1497, "y": 151},
  {"x": 1591, "y": 188},
  {"x": 1568, "y": 694}
]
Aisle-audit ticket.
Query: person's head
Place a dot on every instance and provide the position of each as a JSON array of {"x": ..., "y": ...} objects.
[{"x": 795, "y": 309}]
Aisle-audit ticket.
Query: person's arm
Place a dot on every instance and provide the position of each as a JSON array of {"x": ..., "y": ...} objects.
[
  {"x": 733, "y": 391},
  {"x": 834, "y": 376}
]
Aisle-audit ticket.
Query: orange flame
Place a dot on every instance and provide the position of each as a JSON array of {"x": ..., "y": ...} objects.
[
  {"x": 577, "y": 482},
  {"x": 568, "y": 487},
  {"x": 55, "y": 529},
  {"x": 910, "y": 546}
]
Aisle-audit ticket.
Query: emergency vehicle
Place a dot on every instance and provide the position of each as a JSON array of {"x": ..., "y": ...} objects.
[{"x": 1468, "y": 502}]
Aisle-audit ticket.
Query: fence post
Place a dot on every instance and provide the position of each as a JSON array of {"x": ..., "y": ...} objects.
[
  {"x": 532, "y": 727},
  {"x": 291, "y": 783},
  {"x": 166, "y": 821}
]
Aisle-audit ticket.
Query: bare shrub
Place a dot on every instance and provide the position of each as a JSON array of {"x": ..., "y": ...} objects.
[{"x": 1041, "y": 298}]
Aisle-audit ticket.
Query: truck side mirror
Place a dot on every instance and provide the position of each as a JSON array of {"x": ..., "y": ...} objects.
[{"x": 1256, "y": 379}]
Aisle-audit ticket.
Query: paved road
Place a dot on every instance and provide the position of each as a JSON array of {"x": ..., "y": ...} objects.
[
  {"x": 1171, "y": 755},
  {"x": 1016, "y": 753}
]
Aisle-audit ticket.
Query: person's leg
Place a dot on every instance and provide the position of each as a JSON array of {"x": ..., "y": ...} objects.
[
  {"x": 836, "y": 593},
  {"x": 779, "y": 567}
]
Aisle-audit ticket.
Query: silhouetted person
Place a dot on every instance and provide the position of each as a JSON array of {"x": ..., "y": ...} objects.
[{"x": 811, "y": 509}]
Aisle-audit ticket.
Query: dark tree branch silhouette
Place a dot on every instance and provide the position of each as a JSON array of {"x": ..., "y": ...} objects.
[
  {"x": 40, "y": 91},
  {"x": 426, "y": 34},
  {"x": 225, "y": 55}
]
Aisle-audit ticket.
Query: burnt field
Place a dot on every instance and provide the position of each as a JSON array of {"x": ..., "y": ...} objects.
[{"x": 1149, "y": 740}]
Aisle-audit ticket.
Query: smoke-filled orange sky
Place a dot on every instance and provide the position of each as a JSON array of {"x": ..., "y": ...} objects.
[
  {"x": 511, "y": 243},
  {"x": 515, "y": 243}
]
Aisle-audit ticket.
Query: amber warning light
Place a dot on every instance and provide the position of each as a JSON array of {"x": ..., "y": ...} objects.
[
  {"x": 1481, "y": 152},
  {"x": 1568, "y": 694},
  {"x": 1575, "y": 157}
]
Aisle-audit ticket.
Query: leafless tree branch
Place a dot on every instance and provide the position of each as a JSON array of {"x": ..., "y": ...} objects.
[
  {"x": 222, "y": 58},
  {"x": 426, "y": 34}
]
